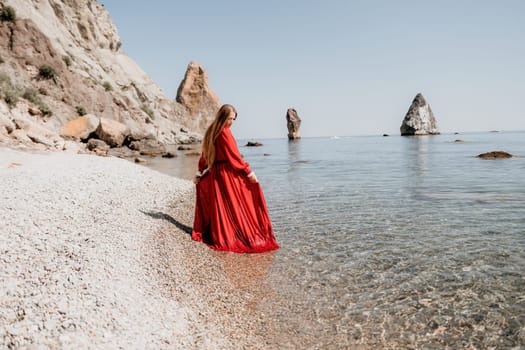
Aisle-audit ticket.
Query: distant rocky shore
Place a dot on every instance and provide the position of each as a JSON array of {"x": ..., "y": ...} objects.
[{"x": 61, "y": 64}]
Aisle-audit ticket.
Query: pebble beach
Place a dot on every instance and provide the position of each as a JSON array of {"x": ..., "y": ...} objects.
[{"x": 95, "y": 252}]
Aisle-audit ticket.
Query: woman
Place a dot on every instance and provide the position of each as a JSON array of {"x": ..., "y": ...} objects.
[{"x": 230, "y": 211}]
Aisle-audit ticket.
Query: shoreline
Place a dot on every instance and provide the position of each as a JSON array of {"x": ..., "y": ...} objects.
[{"x": 96, "y": 254}]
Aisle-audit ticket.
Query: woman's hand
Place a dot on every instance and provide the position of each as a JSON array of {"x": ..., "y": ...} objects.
[
  {"x": 196, "y": 179},
  {"x": 252, "y": 178}
]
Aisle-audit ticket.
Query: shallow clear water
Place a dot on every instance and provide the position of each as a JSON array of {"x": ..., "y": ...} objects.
[{"x": 393, "y": 241}]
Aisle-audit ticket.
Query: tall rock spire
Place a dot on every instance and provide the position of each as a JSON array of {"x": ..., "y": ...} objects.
[
  {"x": 419, "y": 119},
  {"x": 293, "y": 122},
  {"x": 195, "y": 94}
]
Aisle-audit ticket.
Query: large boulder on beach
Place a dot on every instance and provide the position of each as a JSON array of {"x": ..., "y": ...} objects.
[
  {"x": 195, "y": 94},
  {"x": 80, "y": 128},
  {"x": 147, "y": 147},
  {"x": 419, "y": 119},
  {"x": 293, "y": 122},
  {"x": 40, "y": 139},
  {"x": 98, "y": 146},
  {"x": 112, "y": 132}
]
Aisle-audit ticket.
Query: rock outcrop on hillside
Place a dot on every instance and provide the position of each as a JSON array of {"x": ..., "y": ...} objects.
[
  {"x": 195, "y": 94},
  {"x": 62, "y": 59},
  {"x": 419, "y": 119},
  {"x": 293, "y": 122}
]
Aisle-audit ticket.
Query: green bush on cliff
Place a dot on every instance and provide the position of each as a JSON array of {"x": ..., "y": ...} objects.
[
  {"x": 7, "y": 14},
  {"x": 148, "y": 111},
  {"x": 33, "y": 96},
  {"x": 4, "y": 79},
  {"x": 46, "y": 72},
  {"x": 67, "y": 60},
  {"x": 11, "y": 97},
  {"x": 8, "y": 92},
  {"x": 81, "y": 111},
  {"x": 107, "y": 86},
  {"x": 45, "y": 110}
]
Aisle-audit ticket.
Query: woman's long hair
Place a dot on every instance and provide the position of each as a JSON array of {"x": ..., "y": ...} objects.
[{"x": 208, "y": 142}]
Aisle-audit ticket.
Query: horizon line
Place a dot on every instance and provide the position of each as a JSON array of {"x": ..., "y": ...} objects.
[{"x": 381, "y": 135}]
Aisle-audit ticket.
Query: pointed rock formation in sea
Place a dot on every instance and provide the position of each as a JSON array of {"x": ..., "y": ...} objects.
[
  {"x": 419, "y": 119},
  {"x": 195, "y": 94},
  {"x": 293, "y": 122}
]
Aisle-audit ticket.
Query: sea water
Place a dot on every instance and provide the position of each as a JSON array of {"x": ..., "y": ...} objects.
[{"x": 392, "y": 242}]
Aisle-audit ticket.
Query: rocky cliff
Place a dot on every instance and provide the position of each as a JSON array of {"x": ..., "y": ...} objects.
[
  {"x": 419, "y": 119},
  {"x": 200, "y": 101},
  {"x": 62, "y": 59}
]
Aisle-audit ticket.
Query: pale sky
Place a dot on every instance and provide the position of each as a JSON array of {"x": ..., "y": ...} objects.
[{"x": 347, "y": 67}]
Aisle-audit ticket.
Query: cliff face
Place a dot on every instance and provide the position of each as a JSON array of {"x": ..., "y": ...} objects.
[{"x": 60, "y": 59}]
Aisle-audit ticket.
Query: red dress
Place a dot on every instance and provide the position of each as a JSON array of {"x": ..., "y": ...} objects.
[{"x": 230, "y": 211}]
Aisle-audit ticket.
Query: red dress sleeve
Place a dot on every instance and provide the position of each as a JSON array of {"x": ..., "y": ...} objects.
[{"x": 226, "y": 147}]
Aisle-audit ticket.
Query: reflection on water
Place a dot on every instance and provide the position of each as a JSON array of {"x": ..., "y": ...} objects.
[
  {"x": 294, "y": 155},
  {"x": 416, "y": 160},
  {"x": 398, "y": 242}
]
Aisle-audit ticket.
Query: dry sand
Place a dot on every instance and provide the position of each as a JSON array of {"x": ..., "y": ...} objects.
[{"x": 95, "y": 253}]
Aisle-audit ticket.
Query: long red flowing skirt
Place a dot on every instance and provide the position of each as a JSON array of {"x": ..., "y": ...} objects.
[{"x": 231, "y": 213}]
